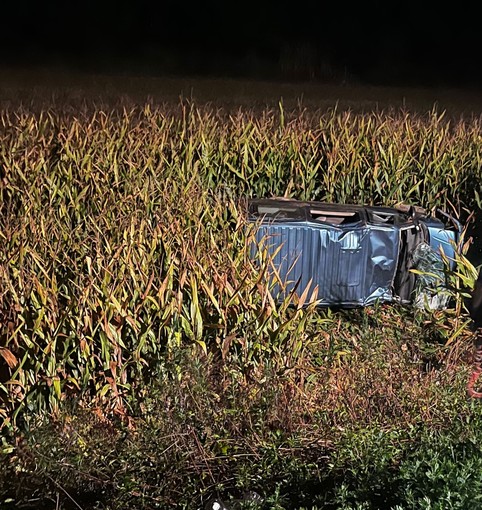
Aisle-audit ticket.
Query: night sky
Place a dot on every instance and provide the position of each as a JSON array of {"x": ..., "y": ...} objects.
[{"x": 373, "y": 43}]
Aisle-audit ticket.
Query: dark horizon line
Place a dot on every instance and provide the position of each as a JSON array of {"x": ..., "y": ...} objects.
[{"x": 160, "y": 62}]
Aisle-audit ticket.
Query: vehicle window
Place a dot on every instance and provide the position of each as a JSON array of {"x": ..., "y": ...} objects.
[
  {"x": 382, "y": 218},
  {"x": 274, "y": 211},
  {"x": 334, "y": 217}
]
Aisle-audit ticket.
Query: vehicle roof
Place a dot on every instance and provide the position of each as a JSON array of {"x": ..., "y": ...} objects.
[
  {"x": 322, "y": 211},
  {"x": 332, "y": 206}
]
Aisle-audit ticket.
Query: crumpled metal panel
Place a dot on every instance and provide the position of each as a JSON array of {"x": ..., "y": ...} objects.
[
  {"x": 348, "y": 265},
  {"x": 349, "y": 255}
]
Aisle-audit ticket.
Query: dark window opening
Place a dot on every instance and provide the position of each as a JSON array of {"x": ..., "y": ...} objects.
[
  {"x": 335, "y": 217},
  {"x": 385, "y": 218},
  {"x": 280, "y": 212}
]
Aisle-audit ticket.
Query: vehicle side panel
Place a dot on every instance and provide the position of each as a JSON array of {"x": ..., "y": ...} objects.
[{"x": 350, "y": 266}]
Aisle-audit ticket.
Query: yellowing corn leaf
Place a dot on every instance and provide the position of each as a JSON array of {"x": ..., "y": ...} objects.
[{"x": 8, "y": 356}]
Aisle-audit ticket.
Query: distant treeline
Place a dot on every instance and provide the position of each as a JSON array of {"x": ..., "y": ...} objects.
[{"x": 293, "y": 60}]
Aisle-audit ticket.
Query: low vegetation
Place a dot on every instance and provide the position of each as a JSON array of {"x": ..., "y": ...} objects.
[{"x": 143, "y": 361}]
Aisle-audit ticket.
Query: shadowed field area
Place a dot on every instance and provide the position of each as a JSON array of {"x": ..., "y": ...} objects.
[{"x": 54, "y": 87}]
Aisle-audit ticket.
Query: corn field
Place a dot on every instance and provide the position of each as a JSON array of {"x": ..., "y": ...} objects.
[{"x": 123, "y": 234}]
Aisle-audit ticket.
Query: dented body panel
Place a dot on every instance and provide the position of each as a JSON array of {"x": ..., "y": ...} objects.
[{"x": 345, "y": 255}]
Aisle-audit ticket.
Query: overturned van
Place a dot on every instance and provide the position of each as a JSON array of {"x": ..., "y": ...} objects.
[{"x": 354, "y": 255}]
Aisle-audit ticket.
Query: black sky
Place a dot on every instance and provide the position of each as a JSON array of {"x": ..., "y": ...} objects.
[{"x": 377, "y": 42}]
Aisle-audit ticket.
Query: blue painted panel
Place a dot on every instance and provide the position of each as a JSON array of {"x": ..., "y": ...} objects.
[
  {"x": 349, "y": 266},
  {"x": 345, "y": 255}
]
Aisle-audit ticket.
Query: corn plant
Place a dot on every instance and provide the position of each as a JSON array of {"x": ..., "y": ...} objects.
[{"x": 123, "y": 233}]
